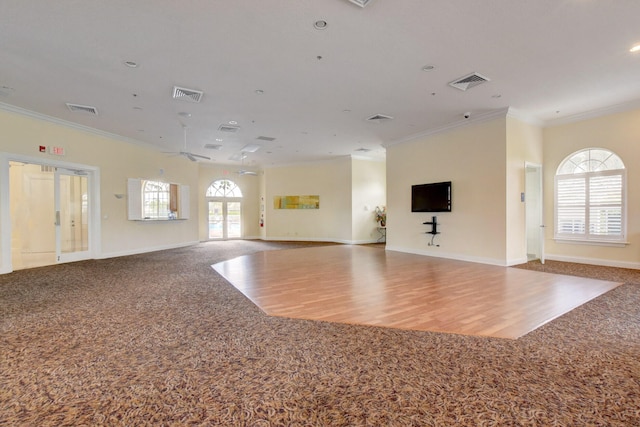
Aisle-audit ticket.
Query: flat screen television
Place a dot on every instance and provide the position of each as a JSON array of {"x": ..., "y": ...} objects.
[{"x": 434, "y": 197}]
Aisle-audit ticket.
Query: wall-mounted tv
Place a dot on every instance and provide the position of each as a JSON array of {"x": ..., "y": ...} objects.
[{"x": 434, "y": 197}]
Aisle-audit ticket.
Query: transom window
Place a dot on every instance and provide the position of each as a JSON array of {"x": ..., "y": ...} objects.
[
  {"x": 223, "y": 188},
  {"x": 590, "y": 196}
]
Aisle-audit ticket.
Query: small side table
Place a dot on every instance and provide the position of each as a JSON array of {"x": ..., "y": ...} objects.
[{"x": 382, "y": 231}]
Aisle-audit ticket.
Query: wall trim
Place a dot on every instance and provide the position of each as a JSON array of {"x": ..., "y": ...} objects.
[
  {"x": 457, "y": 257},
  {"x": 594, "y": 261},
  {"x": 146, "y": 250}
]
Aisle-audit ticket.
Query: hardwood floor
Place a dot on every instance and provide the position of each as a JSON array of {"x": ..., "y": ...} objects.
[{"x": 371, "y": 286}]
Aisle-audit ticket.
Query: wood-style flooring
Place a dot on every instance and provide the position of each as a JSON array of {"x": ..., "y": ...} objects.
[{"x": 370, "y": 286}]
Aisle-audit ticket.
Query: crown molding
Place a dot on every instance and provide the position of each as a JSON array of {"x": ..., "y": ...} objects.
[
  {"x": 593, "y": 114},
  {"x": 71, "y": 125},
  {"x": 474, "y": 119}
]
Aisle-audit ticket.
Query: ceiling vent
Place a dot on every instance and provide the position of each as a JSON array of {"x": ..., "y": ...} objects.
[
  {"x": 185, "y": 94},
  {"x": 379, "y": 118},
  {"x": 361, "y": 3},
  {"x": 213, "y": 146},
  {"x": 75, "y": 108},
  {"x": 467, "y": 82},
  {"x": 250, "y": 148},
  {"x": 228, "y": 128},
  {"x": 266, "y": 138}
]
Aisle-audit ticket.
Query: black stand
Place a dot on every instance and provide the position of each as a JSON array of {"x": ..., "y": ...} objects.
[{"x": 434, "y": 226}]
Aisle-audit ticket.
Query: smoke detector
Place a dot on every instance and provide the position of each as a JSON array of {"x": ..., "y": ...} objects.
[{"x": 467, "y": 82}]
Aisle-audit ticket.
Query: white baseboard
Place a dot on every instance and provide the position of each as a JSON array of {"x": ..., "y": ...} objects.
[
  {"x": 594, "y": 261},
  {"x": 458, "y": 257},
  {"x": 145, "y": 250}
]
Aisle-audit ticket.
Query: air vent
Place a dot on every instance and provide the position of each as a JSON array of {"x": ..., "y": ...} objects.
[
  {"x": 228, "y": 128},
  {"x": 379, "y": 118},
  {"x": 250, "y": 148},
  {"x": 266, "y": 138},
  {"x": 185, "y": 94},
  {"x": 467, "y": 82},
  {"x": 213, "y": 146},
  {"x": 82, "y": 109},
  {"x": 361, "y": 3}
]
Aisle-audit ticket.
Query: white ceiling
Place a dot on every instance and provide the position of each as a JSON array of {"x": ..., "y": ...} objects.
[{"x": 549, "y": 60}]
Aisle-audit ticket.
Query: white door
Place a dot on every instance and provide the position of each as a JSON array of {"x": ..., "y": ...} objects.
[{"x": 534, "y": 212}]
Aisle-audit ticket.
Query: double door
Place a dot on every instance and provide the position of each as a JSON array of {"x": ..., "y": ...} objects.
[
  {"x": 49, "y": 215},
  {"x": 225, "y": 220}
]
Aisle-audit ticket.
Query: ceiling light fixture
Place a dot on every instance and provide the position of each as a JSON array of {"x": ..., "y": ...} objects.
[
  {"x": 320, "y": 24},
  {"x": 428, "y": 68},
  {"x": 131, "y": 64},
  {"x": 635, "y": 48}
]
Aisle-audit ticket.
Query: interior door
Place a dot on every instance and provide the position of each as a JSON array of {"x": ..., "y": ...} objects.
[{"x": 71, "y": 198}]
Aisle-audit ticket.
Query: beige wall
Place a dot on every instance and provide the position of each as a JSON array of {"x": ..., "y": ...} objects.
[
  {"x": 474, "y": 159},
  {"x": 331, "y": 180},
  {"x": 619, "y": 133},
  {"x": 523, "y": 145},
  {"x": 115, "y": 161},
  {"x": 369, "y": 189}
]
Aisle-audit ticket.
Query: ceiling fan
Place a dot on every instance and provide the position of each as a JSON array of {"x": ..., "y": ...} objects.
[
  {"x": 189, "y": 155},
  {"x": 242, "y": 170}
]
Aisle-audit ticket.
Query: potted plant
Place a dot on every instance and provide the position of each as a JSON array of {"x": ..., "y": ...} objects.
[{"x": 381, "y": 215}]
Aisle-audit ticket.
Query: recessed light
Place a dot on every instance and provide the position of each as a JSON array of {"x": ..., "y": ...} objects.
[
  {"x": 259, "y": 91},
  {"x": 320, "y": 24},
  {"x": 635, "y": 48},
  {"x": 219, "y": 139},
  {"x": 131, "y": 64},
  {"x": 233, "y": 122},
  {"x": 428, "y": 68}
]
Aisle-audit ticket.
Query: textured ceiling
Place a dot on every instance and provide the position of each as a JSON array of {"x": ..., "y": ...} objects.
[{"x": 548, "y": 60}]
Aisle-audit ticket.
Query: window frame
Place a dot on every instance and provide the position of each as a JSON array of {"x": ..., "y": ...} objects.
[{"x": 588, "y": 237}]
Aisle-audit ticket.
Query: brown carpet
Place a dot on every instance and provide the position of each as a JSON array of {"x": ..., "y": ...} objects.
[{"x": 161, "y": 339}]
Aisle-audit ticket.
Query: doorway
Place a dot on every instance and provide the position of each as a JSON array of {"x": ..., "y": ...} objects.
[
  {"x": 225, "y": 219},
  {"x": 534, "y": 213},
  {"x": 49, "y": 213}
]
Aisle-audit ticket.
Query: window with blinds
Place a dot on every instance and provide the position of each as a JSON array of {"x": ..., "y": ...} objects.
[{"x": 590, "y": 202}]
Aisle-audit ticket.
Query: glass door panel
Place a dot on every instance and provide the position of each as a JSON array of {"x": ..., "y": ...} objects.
[
  {"x": 216, "y": 220},
  {"x": 234, "y": 220},
  {"x": 72, "y": 207}
]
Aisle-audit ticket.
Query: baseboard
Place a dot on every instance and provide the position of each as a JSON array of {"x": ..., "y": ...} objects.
[
  {"x": 458, "y": 257},
  {"x": 145, "y": 250},
  {"x": 594, "y": 261}
]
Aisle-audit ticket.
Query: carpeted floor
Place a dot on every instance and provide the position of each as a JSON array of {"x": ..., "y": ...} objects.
[{"x": 161, "y": 339}]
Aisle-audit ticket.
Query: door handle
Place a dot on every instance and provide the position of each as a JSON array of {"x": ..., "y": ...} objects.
[{"x": 57, "y": 218}]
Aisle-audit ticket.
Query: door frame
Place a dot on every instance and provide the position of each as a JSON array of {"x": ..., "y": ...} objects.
[
  {"x": 225, "y": 214},
  {"x": 5, "y": 212},
  {"x": 539, "y": 217}
]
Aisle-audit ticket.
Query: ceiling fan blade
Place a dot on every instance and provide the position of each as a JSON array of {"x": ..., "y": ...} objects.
[
  {"x": 245, "y": 172},
  {"x": 200, "y": 157},
  {"x": 190, "y": 157}
]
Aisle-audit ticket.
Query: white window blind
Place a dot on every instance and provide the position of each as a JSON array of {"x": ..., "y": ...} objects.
[{"x": 590, "y": 198}]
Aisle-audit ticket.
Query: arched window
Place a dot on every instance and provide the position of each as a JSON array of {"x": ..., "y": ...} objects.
[
  {"x": 590, "y": 197},
  {"x": 223, "y": 188},
  {"x": 155, "y": 200}
]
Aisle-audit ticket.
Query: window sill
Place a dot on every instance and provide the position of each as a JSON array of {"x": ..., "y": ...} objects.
[{"x": 612, "y": 243}]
